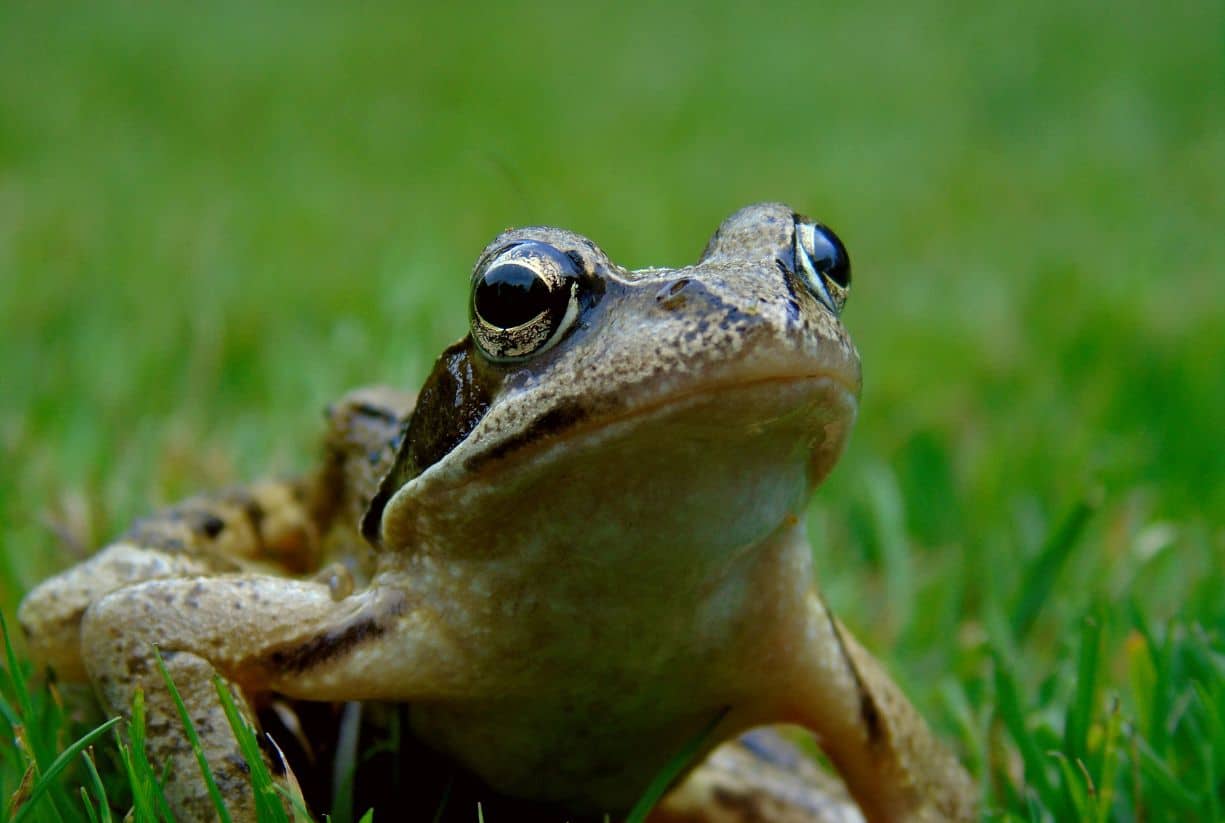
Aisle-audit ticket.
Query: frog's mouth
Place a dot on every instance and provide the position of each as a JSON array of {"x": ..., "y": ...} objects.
[
  {"x": 717, "y": 425},
  {"x": 575, "y": 420}
]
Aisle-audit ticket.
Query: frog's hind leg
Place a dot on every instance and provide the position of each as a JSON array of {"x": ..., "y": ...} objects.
[{"x": 260, "y": 634}]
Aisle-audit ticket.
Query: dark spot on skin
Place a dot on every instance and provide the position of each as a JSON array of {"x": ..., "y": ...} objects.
[
  {"x": 192, "y": 600},
  {"x": 871, "y": 716},
  {"x": 746, "y": 806},
  {"x": 560, "y": 418},
  {"x": 159, "y": 533},
  {"x": 735, "y": 320},
  {"x": 793, "y": 303},
  {"x": 210, "y": 524},
  {"x": 869, "y": 713},
  {"x": 298, "y": 491},
  {"x": 254, "y": 512},
  {"x": 324, "y": 647},
  {"x": 334, "y": 643},
  {"x": 238, "y": 762},
  {"x": 580, "y": 265},
  {"x": 453, "y": 400},
  {"x": 377, "y": 412}
]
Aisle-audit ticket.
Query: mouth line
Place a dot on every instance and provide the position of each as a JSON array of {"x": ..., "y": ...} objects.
[{"x": 579, "y": 419}]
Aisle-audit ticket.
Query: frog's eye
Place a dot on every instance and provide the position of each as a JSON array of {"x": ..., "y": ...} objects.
[
  {"x": 524, "y": 300},
  {"x": 822, "y": 263}
]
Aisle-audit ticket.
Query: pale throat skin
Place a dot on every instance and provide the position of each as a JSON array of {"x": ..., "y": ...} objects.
[{"x": 584, "y": 544}]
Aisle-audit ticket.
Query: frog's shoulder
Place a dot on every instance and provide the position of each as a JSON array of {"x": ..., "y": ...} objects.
[{"x": 364, "y": 430}]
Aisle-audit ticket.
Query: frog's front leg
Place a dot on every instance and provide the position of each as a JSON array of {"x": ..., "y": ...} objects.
[
  {"x": 261, "y": 634},
  {"x": 276, "y": 526},
  {"x": 270, "y": 525},
  {"x": 891, "y": 762}
]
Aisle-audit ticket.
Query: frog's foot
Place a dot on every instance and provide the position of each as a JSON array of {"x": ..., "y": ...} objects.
[
  {"x": 260, "y": 634},
  {"x": 761, "y": 776},
  {"x": 892, "y": 763}
]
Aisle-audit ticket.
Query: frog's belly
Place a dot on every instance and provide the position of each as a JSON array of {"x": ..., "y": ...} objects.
[{"x": 587, "y": 755}]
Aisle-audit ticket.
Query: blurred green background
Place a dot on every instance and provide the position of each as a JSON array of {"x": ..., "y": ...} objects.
[{"x": 212, "y": 221}]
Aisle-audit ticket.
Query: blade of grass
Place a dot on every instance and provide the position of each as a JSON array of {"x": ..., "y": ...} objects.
[
  {"x": 344, "y": 766},
  {"x": 58, "y": 765},
  {"x": 194, "y": 739},
  {"x": 1110, "y": 763},
  {"x": 1041, "y": 574},
  {"x": 1156, "y": 770},
  {"x": 672, "y": 770},
  {"x": 95, "y": 780},
  {"x": 1073, "y": 784},
  {"x": 1013, "y": 715},
  {"x": 1079, "y": 715},
  {"x": 89, "y": 805},
  {"x": 1213, "y": 742},
  {"x": 268, "y": 806},
  {"x": 25, "y": 706},
  {"x": 39, "y": 746},
  {"x": 446, "y": 798},
  {"x": 148, "y": 800}
]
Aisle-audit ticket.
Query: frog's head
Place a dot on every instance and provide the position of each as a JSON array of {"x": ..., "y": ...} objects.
[{"x": 591, "y": 406}]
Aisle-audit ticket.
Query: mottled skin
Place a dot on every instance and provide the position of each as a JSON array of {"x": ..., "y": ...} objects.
[{"x": 572, "y": 562}]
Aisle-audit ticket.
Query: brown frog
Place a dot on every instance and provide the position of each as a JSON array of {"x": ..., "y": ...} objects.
[{"x": 580, "y": 547}]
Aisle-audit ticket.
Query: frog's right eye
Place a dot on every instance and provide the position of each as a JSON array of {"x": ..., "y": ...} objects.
[{"x": 523, "y": 300}]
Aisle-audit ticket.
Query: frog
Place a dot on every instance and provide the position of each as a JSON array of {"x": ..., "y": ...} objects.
[{"x": 577, "y": 551}]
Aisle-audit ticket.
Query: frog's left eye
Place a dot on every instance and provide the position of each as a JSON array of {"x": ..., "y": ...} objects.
[
  {"x": 823, "y": 263},
  {"x": 523, "y": 301}
]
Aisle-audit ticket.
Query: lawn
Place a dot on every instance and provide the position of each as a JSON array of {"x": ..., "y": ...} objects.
[{"x": 212, "y": 221}]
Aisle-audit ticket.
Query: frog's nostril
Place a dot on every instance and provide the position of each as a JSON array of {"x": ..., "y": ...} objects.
[{"x": 672, "y": 296}]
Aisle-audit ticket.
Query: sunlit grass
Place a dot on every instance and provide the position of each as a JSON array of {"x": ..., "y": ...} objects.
[{"x": 213, "y": 224}]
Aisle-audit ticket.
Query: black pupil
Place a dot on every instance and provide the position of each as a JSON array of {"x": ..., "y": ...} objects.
[
  {"x": 510, "y": 295},
  {"x": 829, "y": 256}
]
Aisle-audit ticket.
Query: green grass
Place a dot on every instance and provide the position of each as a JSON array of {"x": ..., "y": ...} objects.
[{"x": 213, "y": 221}]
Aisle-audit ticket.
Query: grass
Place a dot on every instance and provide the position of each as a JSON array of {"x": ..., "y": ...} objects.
[{"x": 213, "y": 221}]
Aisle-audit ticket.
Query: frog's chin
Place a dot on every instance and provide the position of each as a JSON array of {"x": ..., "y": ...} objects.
[{"x": 722, "y": 464}]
